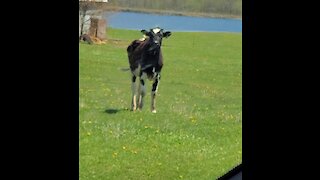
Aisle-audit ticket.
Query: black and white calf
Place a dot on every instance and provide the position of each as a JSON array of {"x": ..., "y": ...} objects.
[{"x": 146, "y": 62}]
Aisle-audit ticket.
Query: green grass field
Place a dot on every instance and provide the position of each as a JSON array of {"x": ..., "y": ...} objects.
[{"x": 197, "y": 130}]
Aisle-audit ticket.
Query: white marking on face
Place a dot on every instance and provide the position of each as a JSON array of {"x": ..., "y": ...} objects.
[{"x": 156, "y": 30}]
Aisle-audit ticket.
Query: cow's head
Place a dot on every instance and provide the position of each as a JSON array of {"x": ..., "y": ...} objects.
[{"x": 155, "y": 37}]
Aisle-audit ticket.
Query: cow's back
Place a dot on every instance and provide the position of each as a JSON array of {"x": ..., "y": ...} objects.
[{"x": 135, "y": 51}]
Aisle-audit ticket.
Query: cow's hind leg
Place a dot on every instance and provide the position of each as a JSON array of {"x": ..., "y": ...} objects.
[
  {"x": 154, "y": 92},
  {"x": 134, "y": 93}
]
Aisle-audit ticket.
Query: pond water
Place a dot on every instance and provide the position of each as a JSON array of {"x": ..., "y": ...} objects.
[{"x": 138, "y": 21}]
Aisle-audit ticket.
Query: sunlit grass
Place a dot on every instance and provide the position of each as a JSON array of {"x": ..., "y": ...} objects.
[{"x": 197, "y": 131}]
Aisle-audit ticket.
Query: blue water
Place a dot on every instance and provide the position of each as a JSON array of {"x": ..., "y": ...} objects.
[{"x": 138, "y": 21}]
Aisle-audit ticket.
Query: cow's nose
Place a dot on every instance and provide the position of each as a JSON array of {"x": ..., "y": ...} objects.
[{"x": 157, "y": 42}]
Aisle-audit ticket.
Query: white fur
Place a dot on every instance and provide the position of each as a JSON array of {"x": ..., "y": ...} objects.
[{"x": 156, "y": 30}]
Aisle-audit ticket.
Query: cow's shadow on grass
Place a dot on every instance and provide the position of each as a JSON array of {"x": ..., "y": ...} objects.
[{"x": 115, "y": 110}]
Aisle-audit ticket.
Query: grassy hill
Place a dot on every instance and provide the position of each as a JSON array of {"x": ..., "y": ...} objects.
[{"x": 197, "y": 130}]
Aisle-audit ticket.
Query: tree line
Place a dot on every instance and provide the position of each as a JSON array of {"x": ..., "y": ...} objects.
[{"x": 225, "y": 7}]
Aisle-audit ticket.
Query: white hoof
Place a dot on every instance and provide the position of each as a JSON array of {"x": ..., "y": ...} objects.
[{"x": 154, "y": 111}]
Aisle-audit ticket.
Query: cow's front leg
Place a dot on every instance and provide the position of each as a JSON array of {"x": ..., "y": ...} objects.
[
  {"x": 154, "y": 93},
  {"x": 134, "y": 93},
  {"x": 142, "y": 93}
]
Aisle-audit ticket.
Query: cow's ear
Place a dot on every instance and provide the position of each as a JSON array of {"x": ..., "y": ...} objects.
[
  {"x": 166, "y": 34},
  {"x": 144, "y": 32}
]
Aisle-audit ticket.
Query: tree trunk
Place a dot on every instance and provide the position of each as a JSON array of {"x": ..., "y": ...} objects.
[{"x": 82, "y": 22}]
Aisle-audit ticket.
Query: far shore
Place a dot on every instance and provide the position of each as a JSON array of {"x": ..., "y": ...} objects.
[{"x": 167, "y": 12}]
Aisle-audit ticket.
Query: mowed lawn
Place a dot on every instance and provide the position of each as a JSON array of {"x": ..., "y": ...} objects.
[{"x": 197, "y": 130}]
